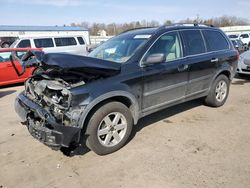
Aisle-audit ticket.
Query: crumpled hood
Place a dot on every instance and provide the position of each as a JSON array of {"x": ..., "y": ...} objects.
[{"x": 68, "y": 62}]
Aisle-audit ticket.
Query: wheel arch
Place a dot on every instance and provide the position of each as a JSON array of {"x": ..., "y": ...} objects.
[
  {"x": 120, "y": 96},
  {"x": 227, "y": 73}
]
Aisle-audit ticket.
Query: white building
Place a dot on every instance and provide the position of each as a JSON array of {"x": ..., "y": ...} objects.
[
  {"x": 236, "y": 29},
  {"x": 102, "y": 33}
]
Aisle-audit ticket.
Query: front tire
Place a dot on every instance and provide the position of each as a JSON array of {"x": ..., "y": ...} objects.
[
  {"x": 109, "y": 128},
  {"x": 218, "y": 92}
]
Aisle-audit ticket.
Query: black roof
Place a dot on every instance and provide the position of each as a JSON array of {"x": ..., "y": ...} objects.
[{"x": 152, "y": 30}]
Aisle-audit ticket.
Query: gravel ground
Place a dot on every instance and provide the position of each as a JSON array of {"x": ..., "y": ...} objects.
[{"x": 189, "y": 145}]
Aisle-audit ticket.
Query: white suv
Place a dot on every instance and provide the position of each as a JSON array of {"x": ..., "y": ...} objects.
[
  {"x": 55, "y": 44},
  {"x": 245, "y": 38}
]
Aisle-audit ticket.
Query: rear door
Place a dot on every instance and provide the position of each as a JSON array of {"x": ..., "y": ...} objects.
[
  {"x": 219, "y": 48},
  {"x": 202, "y": 65}
]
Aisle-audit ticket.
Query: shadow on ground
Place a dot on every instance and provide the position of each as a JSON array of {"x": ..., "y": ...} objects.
[
  {"x": 165, "y": 114},
  {"x": 5, "y": 93},
  {"x": 241, "y": 79}
]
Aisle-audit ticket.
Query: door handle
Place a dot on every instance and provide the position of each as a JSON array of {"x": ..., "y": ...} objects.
[
  {"x": 182, "y": 68},
  {"x": 8, "y": 65},
  {"x": 214, "y": 60}
]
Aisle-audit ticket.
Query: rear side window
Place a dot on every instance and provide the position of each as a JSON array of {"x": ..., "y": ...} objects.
[
  {"x": 24, "y": 44},
  {"x": 215, "y": 41},
  {"x": 80, "y": 40},
  {"x": 65, "y": 41},
  {"x": 193, "y": 41},
  {"x": 44, "y": 43}
]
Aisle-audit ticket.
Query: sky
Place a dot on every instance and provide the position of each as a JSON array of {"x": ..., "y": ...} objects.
[{"x": 60, "y": 12}]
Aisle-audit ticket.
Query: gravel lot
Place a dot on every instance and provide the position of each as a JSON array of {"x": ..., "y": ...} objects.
[{"x": 189, "y": 145}]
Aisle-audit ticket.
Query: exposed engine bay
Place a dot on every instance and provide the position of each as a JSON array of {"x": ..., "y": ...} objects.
[
  {"x": 53, "y": 101},
  {"x": 56, "y": 75},
  {"x": 51, "y": 90}
]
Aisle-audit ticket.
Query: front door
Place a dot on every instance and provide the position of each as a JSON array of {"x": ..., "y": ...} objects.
[
  {"x": 8, "y": 74},
  {"x": 164, "y": 83}
]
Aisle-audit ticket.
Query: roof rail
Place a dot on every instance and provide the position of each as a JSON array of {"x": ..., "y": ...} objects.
[
  {"x": 190, "y": 25},
  {"x": 136, "y": 29}
]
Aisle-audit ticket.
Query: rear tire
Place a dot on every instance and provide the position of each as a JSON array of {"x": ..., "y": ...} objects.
[
  {"x": 109, "y": 128},
  {"x": 218, "y": 92}
]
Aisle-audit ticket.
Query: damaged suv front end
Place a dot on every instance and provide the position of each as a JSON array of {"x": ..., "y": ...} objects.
[{"x": 51, "y": 106}]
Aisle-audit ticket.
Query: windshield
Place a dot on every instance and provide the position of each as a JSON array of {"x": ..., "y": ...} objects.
[{"x": 120, "y": 49}]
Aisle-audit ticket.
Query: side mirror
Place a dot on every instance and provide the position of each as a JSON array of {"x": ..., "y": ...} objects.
[{"x": 155, "y": 58}]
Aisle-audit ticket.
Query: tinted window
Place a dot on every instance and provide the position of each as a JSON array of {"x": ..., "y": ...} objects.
[
  {"x": 193, "y": 42},
  {"x": 233, "y": 36},
  {"x": 4, "y": 56},
  {"x": 66, "y": 41},
  {"x": 43, "y": 43},
  {"x": 215, "y": 40},
  {"x": 24, "y": 44},
  {"x": 80, "y": 40},
  {"x": 244, "y": 36},
  {"x": 169, "y": 45}
]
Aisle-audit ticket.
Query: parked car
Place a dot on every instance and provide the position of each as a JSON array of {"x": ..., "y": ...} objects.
[
  {"x": 5, "y": 42},
  {"x": 245, "y": 38},
  {"x": 56, "y": 44},
  {"x": 244, "y": 63},
  {"x": 238, "y": 44},
  {"x": 8, "y": 74},
  {"x": 139, "y": 72}
]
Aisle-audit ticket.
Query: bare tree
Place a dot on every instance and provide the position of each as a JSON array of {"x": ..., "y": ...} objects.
[{"x": 116, "y": 28}]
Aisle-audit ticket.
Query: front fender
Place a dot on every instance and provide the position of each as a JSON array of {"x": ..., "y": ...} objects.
[{"x": 134, "y": 110}]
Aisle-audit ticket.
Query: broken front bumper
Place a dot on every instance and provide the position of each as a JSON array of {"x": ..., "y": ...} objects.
[{"x": 49, "y": 132}]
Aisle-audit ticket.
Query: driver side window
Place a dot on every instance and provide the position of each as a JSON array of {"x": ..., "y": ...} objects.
[
  {"x": 169, "y": 45},
  {"x": 4, "y": 57}
]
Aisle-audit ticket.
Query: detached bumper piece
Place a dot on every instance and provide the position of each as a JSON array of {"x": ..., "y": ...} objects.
[{"x": 43, "y": 126}]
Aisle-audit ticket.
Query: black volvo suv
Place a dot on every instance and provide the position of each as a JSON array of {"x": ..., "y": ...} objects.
[{"x": 101, "y": 97}]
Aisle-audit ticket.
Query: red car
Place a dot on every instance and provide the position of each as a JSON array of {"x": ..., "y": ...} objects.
[{"x": 8, "y": 74}]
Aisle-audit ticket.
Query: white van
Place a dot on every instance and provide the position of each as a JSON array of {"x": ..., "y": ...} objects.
[{"x": 54, "y": 44}]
